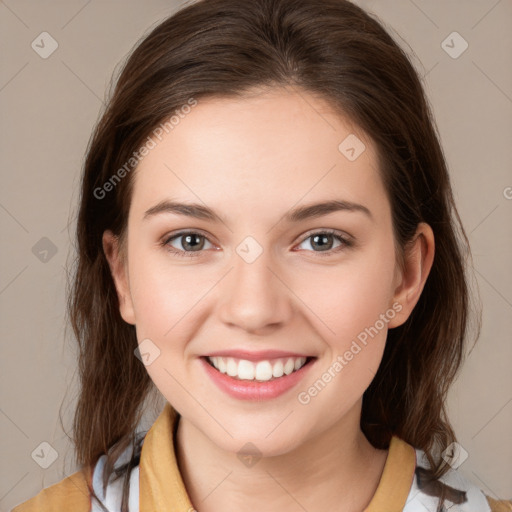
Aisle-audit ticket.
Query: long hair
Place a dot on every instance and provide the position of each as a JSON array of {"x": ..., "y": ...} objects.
[{"x": 226, "y": 48}]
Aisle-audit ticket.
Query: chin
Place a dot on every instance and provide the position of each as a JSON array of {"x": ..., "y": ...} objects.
[{"x": 262, "y": 439}]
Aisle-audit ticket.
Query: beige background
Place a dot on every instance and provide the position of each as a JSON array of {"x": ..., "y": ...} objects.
[{"x": 49, "y": 107}]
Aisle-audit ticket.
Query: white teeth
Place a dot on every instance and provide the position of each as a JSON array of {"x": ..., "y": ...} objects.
[
  {"x": 246, "y": 370},
  {"x": 261, "y": 371},
  {"x": 222, "y": 364},
  {"x": 278, "y": 369},
  {"x": 289, "y": 366},
  {"x": 232, "y": 367}
]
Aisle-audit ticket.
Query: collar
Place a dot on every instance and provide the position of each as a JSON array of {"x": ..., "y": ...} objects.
[{"x": 161, "y": 486}]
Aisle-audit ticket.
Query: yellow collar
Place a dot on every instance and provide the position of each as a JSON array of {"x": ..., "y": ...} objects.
[{"x": 161, "y": 486}]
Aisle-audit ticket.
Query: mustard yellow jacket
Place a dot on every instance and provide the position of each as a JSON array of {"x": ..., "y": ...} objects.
[{"x": 161, "y": 487}]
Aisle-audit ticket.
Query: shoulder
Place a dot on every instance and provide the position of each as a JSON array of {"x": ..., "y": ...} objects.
[
  {"x": 71, "y": 493},
  {"x": 459, "y": 492},
  {"x": 499, "y": 505}
]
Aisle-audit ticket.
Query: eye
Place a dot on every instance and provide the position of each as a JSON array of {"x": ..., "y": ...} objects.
[
  {"x": 192, "y": 243},
  {"x": 189, "y": 243},
  {"x": 324, "y": 240}
]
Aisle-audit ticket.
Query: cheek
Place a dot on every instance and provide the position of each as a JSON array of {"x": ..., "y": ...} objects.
[
  {"x": 353, "y": 316},
  {"x": 164, "y": 295},
  {"x": 163, "y": 300},
  {"x": 351, "y": 297}
]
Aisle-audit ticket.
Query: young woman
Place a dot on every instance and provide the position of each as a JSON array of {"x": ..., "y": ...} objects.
[{"x": 267, "y": 238}]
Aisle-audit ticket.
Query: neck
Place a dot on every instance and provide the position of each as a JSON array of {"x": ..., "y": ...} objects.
[{"x": 337, "y": 469}]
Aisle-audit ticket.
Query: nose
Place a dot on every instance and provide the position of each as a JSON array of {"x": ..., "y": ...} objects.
[{"x": 254, "y": 295}]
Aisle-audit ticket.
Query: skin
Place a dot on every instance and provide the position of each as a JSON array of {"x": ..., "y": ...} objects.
[{"x": 252, "y": 160}]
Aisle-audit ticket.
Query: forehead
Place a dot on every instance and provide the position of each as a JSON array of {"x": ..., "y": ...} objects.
[{"x": 278, "y": 147}]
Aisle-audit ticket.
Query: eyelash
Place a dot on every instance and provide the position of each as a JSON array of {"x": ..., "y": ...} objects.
[{"x": 345, "y": 243}]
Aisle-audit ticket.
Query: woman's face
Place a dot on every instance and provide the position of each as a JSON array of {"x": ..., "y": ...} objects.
[{"x": 261, "y": 270}]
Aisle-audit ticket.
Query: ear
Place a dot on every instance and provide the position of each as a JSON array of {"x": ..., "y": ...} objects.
[
  {"x": 119, "y": 271},
  {"x": 409, "y": 282}
]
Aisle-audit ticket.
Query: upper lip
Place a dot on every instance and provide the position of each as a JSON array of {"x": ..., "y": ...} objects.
[{"x": 255, "y": 356}]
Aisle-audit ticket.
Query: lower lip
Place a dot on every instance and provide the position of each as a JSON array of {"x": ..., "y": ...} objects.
[{"x": 253, "y": 389}]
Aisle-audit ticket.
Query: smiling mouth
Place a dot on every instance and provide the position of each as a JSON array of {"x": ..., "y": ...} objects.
[{"x": 260, "y": 371}]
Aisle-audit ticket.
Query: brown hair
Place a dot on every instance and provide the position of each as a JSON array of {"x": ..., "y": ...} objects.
[{"x": 224, "y": 48}]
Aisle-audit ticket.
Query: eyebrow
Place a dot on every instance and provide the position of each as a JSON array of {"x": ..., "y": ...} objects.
[{"x": 298, "y": 214}]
